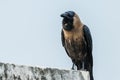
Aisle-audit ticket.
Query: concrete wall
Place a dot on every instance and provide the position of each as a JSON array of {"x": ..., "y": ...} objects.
[{"x": 15, "y": 72}]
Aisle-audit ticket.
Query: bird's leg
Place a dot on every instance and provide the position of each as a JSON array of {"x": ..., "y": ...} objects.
[
  {"x": 79, "y": 67},
  {"x": 73, "y": 66}
]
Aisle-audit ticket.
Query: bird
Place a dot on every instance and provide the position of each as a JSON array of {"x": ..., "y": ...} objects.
[{"x": 77, "y": 41}]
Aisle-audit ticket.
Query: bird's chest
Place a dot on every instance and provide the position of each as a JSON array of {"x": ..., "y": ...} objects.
[
  {"x": 74, "y": 41},
  {"x": 75, "y": 47},
  {"x": 75, "y": 44}
]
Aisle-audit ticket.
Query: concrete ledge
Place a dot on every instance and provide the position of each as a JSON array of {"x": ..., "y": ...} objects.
[{"x": 15, "y": 72}]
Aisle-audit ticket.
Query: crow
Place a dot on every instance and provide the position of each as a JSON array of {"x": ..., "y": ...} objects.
[{"x": 77, "y": 41}]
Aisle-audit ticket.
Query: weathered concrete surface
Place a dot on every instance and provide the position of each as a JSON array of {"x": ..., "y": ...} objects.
[{"x": 15, "y": 72}]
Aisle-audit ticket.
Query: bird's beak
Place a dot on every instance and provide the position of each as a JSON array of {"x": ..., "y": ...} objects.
[{"x": 65, "y": 15}]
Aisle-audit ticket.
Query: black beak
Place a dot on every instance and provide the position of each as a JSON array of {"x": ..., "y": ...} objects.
[{"x": 65, "y": 15}]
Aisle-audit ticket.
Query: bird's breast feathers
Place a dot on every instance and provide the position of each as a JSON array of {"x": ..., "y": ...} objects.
[
  {"x": 75, "y": 48},
  {"x": 75, "y": 34},
  {"x": 75, "y": 43}
]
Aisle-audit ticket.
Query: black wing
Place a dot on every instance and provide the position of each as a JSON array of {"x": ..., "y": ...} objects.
[
  {"x": 88, "y": 39},
  {"x": 63, "y": 41},
  {"x": 62, "y": 38}
]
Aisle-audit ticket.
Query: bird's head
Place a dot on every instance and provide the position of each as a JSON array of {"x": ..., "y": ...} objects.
[{"x": 70, "y": 20}]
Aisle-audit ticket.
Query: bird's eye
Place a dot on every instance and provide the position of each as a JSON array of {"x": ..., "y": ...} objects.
[
  {"x": 69, "y": 15},
  {"x": 65, "y": 20}
]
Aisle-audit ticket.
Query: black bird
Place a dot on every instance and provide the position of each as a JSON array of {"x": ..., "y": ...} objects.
[{"x": 77, "y": 41}]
